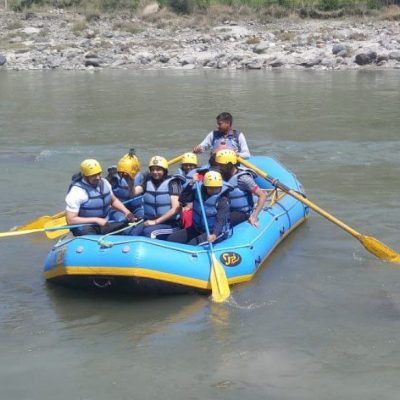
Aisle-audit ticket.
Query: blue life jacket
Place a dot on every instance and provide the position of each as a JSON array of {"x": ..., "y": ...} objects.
[
  {"x": 120, "y": 188},
  {"x": 231, "y": 141},
  {"x": 157, "y": 201},
  {"x": 189, "y": 176},
  {"x": 99, "y": 201},
  {"x": 240, "y": 200},
  {"x": 210, "y": 208}
]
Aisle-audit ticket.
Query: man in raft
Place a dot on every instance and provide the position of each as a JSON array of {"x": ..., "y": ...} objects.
[
  {"x": 224, "y": 137},
  {"x": 89, "y": 200},
  {"x": 244, "y": 188},
  {"x": 215, "y": 198}
]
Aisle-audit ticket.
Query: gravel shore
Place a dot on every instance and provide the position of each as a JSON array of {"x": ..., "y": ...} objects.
[{"x": 62, "y": 40}]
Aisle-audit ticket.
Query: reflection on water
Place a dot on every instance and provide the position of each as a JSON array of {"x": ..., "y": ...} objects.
[{"x": 320, "y": 319}]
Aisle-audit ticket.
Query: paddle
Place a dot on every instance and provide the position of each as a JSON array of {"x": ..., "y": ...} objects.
[
  {"x": 27, "y": 231},
  {"x": 372, "y": 244},
  {"x": 41, "y": 222},
  {"x": 54, "y": 234},
  {"x": 50, "y": 228},
  {"x": 219, "y": 283}
]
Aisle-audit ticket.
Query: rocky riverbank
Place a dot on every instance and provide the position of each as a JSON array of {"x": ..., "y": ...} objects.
[{"x": 64, "y": 40}]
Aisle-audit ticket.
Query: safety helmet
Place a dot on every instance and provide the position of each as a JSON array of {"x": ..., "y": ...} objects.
[
  {"x": 226, "y": 156},
  {"x": 189, "y": 158},
  {"x": 129, "y": 164},
  {"x": 158, "y": 161},
  {"x": 90, "y": 167},
  {"x": 212, "y": 179}
]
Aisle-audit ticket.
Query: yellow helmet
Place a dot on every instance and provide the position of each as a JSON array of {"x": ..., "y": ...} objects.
[
  {"x": 129, "y": 164},
  {"x": 212, "y": 179},
  {"x": 189, "y": 158},
  {"x": 226, "y": 156},
  {"x": 90, "y": 167},
  {"x": 158, "y": 161}
]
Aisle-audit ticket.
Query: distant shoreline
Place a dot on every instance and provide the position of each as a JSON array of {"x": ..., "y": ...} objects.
[{"x": 64, "y": 40}]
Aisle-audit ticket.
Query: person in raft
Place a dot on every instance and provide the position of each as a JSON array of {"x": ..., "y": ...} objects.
[
  {"x": 224, "y": 137},
  {"x": 187, "y": 169},
  {"x": 89, "y": 200},
  {"x": 124, "y": 179},
  {"x": 160, "y": 198},
  {"x": 215, "y": 198},
  {"x": 244, "y": 188}
]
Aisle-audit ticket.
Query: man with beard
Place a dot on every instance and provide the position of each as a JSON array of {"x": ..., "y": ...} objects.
[
  {"x": 89, "y": 200},
  {"x": 242, "y": 180}
]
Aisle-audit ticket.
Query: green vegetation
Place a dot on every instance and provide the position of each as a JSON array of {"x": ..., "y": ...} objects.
[{"x": 275, "y": 8}]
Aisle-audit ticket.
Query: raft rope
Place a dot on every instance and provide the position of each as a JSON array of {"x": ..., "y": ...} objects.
[
  {"x": 103, "y": 243},
  {"x": 169, "y": 245}
]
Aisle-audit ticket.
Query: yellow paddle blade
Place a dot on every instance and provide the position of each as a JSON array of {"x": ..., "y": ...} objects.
[
  {"x": 55, "y": 223},
  {"x": 219, "y": 283},
  {"x": 39, "y": 222},
  {"x": 379, "y": 249},
  {"x": 35, "y": 224}
]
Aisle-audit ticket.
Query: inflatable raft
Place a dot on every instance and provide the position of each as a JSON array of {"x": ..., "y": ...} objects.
[{"x": 142, "y": 264}]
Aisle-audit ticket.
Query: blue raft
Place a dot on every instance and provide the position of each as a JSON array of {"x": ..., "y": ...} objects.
[{"x": 141, "y": 264}]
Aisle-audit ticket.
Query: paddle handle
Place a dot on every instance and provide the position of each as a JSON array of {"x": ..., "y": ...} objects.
[
  {"x": 203, "y": 213},
  {"x": 175, "y": 160}
]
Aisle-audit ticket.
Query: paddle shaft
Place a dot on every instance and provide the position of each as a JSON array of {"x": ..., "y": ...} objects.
[
  {"x": 219, "y": 283},
  {"x": 203, "y": 213},
  {"x": 55, "y": 228},
  {"x": 301, "y": 198},
  {"x": 373, "y": 245}
]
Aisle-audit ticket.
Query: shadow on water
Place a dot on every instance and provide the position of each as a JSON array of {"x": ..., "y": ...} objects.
[{"x": 140, "y": 315}]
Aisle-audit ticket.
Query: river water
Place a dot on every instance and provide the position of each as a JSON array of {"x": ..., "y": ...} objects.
[{"x": 320, "y": 320}]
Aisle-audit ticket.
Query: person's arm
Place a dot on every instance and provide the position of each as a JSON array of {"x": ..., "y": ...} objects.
[
  {"x": 244, "y": 148},
  {"x": 141, "y": 185},
  {"x": 187, "y": 195},
  {"x": 117, "y": 204},
  {"x": 247, "y": 184},
  {"x": 175, "y": 208},
  {"x": 223, "y": 210},
  {"x": 204, "y": 145},
  {"x": 74, "y": 219},
  {"x": 259, "y": 206}
]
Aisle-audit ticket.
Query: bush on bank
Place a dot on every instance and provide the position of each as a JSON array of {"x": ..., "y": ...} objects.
[{"x": 276, "y": 8}]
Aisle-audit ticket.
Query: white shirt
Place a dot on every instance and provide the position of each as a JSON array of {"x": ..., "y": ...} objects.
[{"x": 77, "y": 196}]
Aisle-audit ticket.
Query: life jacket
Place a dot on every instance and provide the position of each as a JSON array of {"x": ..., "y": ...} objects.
[
  {"x": 231, "y": 141},
  {"x": 120, "y": 186},
  {"x": 240, "y": 200},
  {"x": 199, "y": 170},
  {"x": 210, "y": 209},
  {"x": 99, "y": 198},
  {"x": 157, "y": 201}
]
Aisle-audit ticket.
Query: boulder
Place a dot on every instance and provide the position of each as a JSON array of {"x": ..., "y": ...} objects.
[
  {"x": 365, "y": 58},
  {"x": 394, "y": 55},
  {"x": 92, "y": 62},
  {"x": 337, "y": 48},
  {"x": 261, "y": 48},
  {"x": 310, "y": 63}
]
